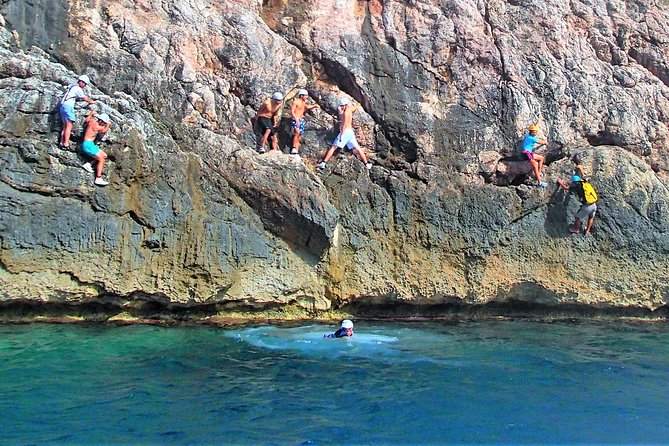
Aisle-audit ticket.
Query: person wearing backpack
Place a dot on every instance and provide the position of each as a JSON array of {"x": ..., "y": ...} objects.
[
  {"x": 73, "y": 93},
  {"x": 582, "y": 188}
]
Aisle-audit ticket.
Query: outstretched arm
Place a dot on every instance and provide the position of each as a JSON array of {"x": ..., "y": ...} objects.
[
  {"x": 579, "y": 170},
  {"x": 562, "y": 184}
]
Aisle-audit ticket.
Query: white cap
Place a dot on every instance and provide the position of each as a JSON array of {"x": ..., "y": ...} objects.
[
  {"x": 343, "y": 101},
  {"x": 83, "y": 78},
  {"x": 277, "y": 96},
  {"x": 104, "y": 117},
  {"x": 346, "y": 324},
  {"x": 302, "y": 92}
]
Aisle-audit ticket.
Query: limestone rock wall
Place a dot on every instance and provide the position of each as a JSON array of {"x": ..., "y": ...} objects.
[{"x": 448, "y": 214}]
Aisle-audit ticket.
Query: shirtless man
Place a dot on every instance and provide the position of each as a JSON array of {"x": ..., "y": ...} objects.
[
  {"x": 346, "y": 137},
  {"x": 267, "y": 119},
  {"x": 96, "y": 125},
  {"x": 75, "y": 92},
  {"x": 297, "y": 110}
]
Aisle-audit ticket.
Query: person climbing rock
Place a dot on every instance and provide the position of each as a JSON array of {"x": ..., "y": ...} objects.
[
  {"x": 96, "y": 127},
  {"x": 346, "y": 137},
  {"x": 267, "y": 119},
  {"x": 530, "y": 144},
  {"x": 346, "y": 330},
  {"x": 582, "y": 188},
  {"x": 73, "y": 93},
  {"x": 297, "y": 109}
]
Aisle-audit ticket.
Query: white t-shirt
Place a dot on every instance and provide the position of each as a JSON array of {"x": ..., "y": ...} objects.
[{"x": 73, "y": 93}]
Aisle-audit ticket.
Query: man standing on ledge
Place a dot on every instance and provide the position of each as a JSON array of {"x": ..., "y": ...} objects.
[
  {"x": 96, "y": 125},
  {"x": 530, "y": 144},
  {"x": 346, "y": 137},
  {"x": 586, "y": 193},
  {"x": 73, "y": 93},
  {"x": 297, "y": 110},
  {"x": 267, "y": 119}
]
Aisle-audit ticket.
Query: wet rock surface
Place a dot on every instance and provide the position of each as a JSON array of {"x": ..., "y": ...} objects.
[{"x": 448, "y": 215}]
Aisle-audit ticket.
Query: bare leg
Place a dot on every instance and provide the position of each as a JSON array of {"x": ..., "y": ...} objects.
[
  {"x": 360, "y": 154},
  {"x": 101, "y": 157},
  {"x": 537, "y": 171},
  {"x": 263, "y": 141},
  {"x": 65, "y": 133},
  {"x": 577, "y": 226},
  {"x": 329, "y": 154},
  {"x": 296, "y": 140},
  {"x": 540, "y": 159},
  {"x": 275, "y": 143},
  {"x": 591, "y": 220}
]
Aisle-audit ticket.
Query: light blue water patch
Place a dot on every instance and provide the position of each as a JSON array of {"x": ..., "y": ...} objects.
[{"x": 470, "y": 383}]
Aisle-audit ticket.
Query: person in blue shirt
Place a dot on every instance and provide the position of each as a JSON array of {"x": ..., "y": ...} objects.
[
  {"x": 345, "y": 331},
  {"x": 530, "y": 144}
]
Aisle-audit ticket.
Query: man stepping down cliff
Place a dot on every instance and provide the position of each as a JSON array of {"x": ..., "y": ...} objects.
[
  {"x": 297, "y": 110},
  {"x": 530, "y": 144},
  {"x": 267, "y": 119},
  {"x": 346, "y": 137},
  {"x": 588, "y": 197},
  {"x": 74, "y": 93},
  {"x": 96, "y": 127}
]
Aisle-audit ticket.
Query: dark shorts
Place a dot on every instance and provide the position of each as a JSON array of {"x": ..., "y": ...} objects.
[
  {"x": 529, "y": 156},
  {"x": 264, "y": 124}
]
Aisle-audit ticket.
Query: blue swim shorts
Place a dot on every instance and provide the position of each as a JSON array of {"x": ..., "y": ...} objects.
[
  {"x": 67, "y": 112},
  {"x": 89, "y": 148},
  {"x": 299, "y": 125}
]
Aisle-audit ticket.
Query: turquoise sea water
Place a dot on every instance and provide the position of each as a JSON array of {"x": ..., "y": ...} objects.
[{"x": 488, "y": 382}]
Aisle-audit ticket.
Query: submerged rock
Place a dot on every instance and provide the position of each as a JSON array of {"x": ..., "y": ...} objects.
[{"x": 195, "y": 216}]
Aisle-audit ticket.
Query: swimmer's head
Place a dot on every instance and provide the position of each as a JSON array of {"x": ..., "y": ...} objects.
[{"x": 347, "y": 324}]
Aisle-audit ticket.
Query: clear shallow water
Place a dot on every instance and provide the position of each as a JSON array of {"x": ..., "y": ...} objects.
[{"x": 492, "y": 382}]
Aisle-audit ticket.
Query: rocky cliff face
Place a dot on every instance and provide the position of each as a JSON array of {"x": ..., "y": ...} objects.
[{"x": 194, "y": 217}]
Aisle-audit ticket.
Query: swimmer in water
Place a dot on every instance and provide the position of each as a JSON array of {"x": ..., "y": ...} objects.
[{"x": 346, "y": 330}]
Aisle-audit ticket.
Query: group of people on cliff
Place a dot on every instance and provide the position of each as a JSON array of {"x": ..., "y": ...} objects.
[{"x": 266, "y": 118}]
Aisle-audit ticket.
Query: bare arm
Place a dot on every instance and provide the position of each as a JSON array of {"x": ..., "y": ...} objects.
[
  {"x": 293, "y": 110},
  {"x": 562, "y": 184},
  {"x": 579, "y": 169},
  {"x": 87, "y": 99},
  {"x": 90, "y": 116}
]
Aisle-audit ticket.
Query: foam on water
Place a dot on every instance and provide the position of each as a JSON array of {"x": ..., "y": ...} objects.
[{"x": 310, "y": 340}]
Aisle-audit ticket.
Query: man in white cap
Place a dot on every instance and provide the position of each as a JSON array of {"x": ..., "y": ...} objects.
[
  {"x": 297, "y": 110},
  {"x": 346, "y": 137},
  {"x": 96, "y": 126},
  {"x": 267, "y": 119},
  {"x": 73, "y": 93},
  {"x": 346, "y": 330}
]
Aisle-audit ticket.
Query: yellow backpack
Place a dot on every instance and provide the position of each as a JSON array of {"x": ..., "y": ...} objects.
[{"x": 589, "y": 193}]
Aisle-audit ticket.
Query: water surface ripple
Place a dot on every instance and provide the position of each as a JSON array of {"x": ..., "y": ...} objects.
[{"x": 488, "y": 382}]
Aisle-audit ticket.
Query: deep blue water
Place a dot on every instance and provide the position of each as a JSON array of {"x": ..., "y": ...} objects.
[{"x": 488, "y": 382}]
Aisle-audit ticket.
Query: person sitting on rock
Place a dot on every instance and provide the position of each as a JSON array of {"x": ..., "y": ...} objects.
[
  {"x": 346, "y": 137},
  {"x": 96, "y": 127},
  {"x": 73, "y": 93},
  {"x": 297, "y": 110},
  {"x": 588, "y": 197},
  {"x": 530, "y": 144},
  {"x": 267, "y": 120},
  {"x": 346, "y": 330}
]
